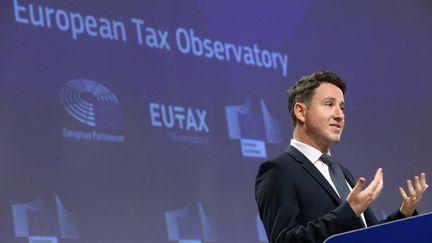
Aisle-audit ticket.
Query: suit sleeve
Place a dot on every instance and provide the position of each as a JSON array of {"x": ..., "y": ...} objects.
[
  {"x": 277, "y": 198},
  {"x": 396, "y": 215}
]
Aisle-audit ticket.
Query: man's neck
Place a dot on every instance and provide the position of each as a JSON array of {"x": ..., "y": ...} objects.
[{"x": 304, "y": 138}]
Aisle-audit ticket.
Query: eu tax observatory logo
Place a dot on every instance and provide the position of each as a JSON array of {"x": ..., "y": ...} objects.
[
  {"x": 181, "y": 124},
  {"x": 253, "y": 129},
  {"x": 93, "y": 105}
]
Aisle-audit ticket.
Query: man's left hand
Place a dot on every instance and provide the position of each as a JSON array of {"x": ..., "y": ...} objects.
[{"x": 409, "y": 203}]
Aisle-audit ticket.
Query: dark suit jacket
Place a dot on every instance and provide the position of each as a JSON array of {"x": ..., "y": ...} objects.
[{"x": 297, "y": 204}]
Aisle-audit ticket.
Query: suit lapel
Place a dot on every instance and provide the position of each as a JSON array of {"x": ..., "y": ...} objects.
[{"x": 313, "y": 171}]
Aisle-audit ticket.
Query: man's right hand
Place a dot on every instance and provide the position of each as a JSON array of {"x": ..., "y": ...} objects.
[{"x": 359, "y": 199}]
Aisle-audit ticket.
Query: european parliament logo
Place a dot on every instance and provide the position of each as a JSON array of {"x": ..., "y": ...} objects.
[
  {"x": 95, "y": 106},
  {"x": 91, "y": 104},
  {"x": 41, "y": 223},
  {"x": 253, "y": 129},
  {"x": 190, "y": 225}
]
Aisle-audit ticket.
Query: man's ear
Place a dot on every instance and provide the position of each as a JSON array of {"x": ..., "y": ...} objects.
[{"x": 300, "y": 112}]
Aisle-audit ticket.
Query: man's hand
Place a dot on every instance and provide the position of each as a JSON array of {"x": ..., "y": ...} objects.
[
  {"x": 359, "y": 199},
  {"x": 409, "y": 203}
]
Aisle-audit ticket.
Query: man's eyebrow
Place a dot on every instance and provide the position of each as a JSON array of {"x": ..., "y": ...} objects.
[{"x": 330, "y": 98}]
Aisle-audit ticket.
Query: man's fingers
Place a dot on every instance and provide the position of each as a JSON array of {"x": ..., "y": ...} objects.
[
  {"x": 423, "y": 181},
  {"x": 378, "y": 188},
  {"x": 410, "y": 188},
  {"x": 359, "y": 185},
  {"x": 381, "y": 181},
  {"x": 376, "y": 181},
  {"x": 378, "y": 173},
  {"x": 403, "y": 194},
  {"x": 418, "y": 186},
  {"x": 423, "y": 178}
]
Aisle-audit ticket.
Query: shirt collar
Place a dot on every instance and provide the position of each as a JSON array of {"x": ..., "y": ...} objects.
[{"x": 310, "y": 152}]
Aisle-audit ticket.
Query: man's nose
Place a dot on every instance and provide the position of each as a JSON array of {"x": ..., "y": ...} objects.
[{"x": 339, "y": 113}]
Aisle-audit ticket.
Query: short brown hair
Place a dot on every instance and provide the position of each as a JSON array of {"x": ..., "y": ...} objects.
[{"x": 303, "y": 90}]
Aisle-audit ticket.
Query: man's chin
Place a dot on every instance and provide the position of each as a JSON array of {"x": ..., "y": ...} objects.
[{"x": 336, "y": 139}]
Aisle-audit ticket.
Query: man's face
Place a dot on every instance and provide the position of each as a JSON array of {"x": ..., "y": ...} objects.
[{"x": 324, "y": 116}]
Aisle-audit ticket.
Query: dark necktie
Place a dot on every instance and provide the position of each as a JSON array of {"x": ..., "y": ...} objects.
[{"x": 336, "y": 176}]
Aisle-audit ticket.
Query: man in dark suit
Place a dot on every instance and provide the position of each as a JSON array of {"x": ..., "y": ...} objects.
[{"x": 305, "y": 196}]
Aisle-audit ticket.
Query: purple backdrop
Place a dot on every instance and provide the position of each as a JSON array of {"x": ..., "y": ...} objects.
[{"x": 145, "y": 121}]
